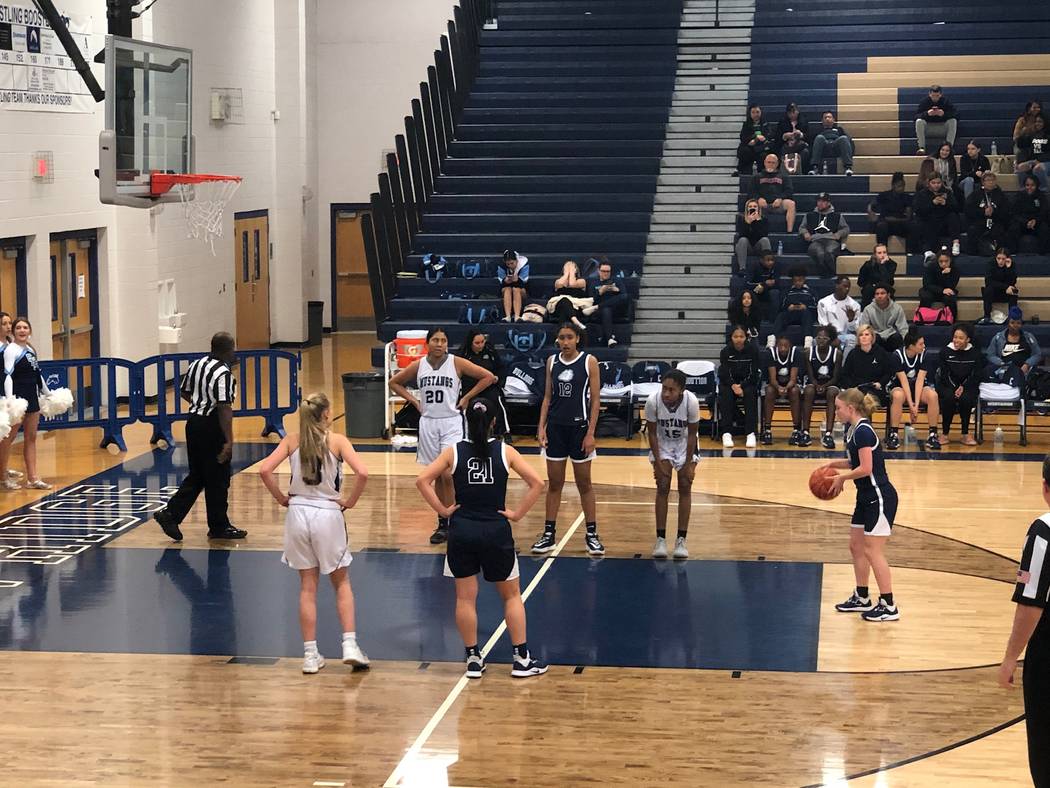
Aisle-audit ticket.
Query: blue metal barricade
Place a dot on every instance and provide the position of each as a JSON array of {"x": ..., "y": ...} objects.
[
  {"x": 95, "y": 383},
  {"x": 267, "y": 386}
]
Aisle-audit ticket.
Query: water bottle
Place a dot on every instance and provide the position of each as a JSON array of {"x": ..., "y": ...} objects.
[
  {"x": 995, "y": 148},
  {"x": 780, "y": 248},
  {"x": 998, "y": 434},
  {"x": 824, "y": 170}
]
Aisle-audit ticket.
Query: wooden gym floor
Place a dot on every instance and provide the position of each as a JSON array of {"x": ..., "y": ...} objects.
[{"x": 129, "y": 662}]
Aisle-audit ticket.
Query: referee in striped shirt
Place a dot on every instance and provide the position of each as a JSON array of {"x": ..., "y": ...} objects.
[
  {"x": 1032, "y": 629},
  {"x": 209, "y": 387}
]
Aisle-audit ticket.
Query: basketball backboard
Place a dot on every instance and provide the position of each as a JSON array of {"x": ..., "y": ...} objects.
[{"x": 149, "y": 121}]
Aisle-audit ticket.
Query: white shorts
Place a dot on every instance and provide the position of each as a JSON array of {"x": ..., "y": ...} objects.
[
  {"x": 675, "y": 453},
  {"x": 315, "y": 536},
  {"x": 435, "y": 435}
]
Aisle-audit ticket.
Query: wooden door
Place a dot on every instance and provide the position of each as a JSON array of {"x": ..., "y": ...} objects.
[
  {"x": 73, "y": 291},
  {"x": 353, "y": 294},
  {"x": 252, "y": 279},
  {"x": 58, "y": 309},
  {"x": 9, "y": 274}
]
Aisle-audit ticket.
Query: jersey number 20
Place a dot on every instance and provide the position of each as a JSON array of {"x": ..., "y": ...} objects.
[
  {"x": 434, "y": 396},
  {"x": 479, "y": 471}
]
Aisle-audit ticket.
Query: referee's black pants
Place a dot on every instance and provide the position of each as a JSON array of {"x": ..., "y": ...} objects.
[
  {"x": 1037, "y": 717},
  {"x": 204, "y": 440}
]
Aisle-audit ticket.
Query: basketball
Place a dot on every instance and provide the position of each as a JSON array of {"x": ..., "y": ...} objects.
[{"x": 820, "y": 483}]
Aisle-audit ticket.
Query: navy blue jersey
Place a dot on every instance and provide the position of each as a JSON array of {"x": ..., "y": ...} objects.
[
  {"x": 570, "y": 390},
  {"x": 910, "y": 366},
  {"x": 480, "y": 479},
  {"x": 860, "y": 436},
  {"x": 782, "y": 363},
  {"x": 823, "y": 365}
]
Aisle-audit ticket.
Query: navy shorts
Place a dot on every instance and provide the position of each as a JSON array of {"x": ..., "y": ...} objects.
[
  {"x": 483, "y": 545},
  {"x": 875, "y": 510},
  {"x": 565, "y": 442}
]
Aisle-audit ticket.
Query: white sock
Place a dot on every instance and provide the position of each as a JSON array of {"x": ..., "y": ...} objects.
[
  {"x": 309, "y": 647},
  {"x": 349, "y": 636}
]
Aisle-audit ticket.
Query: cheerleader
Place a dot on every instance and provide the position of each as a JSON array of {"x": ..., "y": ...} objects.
[
  {"x": 912, "y": 385},
  {"x": 440, "y": 404},
  {"x": 823, "y": 365},
  {"x": 5, "y": 339},
  {"x": 568, "y": 417},
  {"x": 480, "y": 537},
  {"x": 672, "y": 418},
  {"x": 315, "y": 538},
  {"x": 875, "y": 509},
  {"x": 23, "y": 380}
]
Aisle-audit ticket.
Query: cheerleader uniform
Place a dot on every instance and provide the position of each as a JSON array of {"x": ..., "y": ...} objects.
[
  {"x": 672, "y": 426},
  {"x": 440, "y": 422},
  {"x": 876, "y": 497},
  {"x": 23, "y": 378},
  {"x": 567, "y": 416},
  {"x": 314, "y": 528}
]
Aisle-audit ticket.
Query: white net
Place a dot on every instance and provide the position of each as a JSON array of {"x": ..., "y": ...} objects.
[{"x": 204, "y": 204}]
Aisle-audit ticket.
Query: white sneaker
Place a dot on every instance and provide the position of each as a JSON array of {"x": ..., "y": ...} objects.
[
  {"x": 612, "y": 342},
  {"x": 808, "y": 343},
  {"x": 312, "y": 663},
  {"x": 849, "y": 172},
  {"x": 927, "y": 257},
  {"x": 38, "y": 484},
  {"x": 353, "y": 655},
  {"x": 751, "y": 441},
  {"x": 508, "y": 319},
  {"x": 727, "y": 440},
  {"x": 680, "y": 551},
  {"x": 660, "y": 548},
  {"x": 589, "y": 310},
  {"x": 8, "y": 484},
  {"x": 13, "y": 474},
  {"x": 771, "y": 341},
  {"x": 955, "y": 249}
]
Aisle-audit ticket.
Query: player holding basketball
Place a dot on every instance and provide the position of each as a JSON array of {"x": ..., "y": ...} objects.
[
  {"x": 440, "y": 404},
  {"x": 672, "y": 416},
  {"x": 480, "y": 538},
  {"x": 568, "y": 417},
  {"x": 876, "y": 506}
]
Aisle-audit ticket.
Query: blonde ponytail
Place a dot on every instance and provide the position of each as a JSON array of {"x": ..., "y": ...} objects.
[
  {"x": 864, "y": 404},
  {"x": 313, "y": 443}
]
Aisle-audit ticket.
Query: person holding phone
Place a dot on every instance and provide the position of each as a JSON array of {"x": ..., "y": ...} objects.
[
  {"x": 752, "y": 234},
  {"x": 610, "y": 299}
]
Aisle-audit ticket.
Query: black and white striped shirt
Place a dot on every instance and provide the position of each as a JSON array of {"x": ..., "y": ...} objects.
[
  {"x": 1033, "y": 585},
  {"x": 208, "y": 382}
]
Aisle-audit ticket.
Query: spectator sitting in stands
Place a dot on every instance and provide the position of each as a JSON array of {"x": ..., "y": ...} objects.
[
  {"x": 609, "y": 301},
  {"x": 513, "y": 278},
  {"x": 744, "y": 310},
  {"x": 890, "y": 214},
  {"x": 1000, "y": 284},
  {"x": 1025, "y": 124},
  {"x": 938, "y": 215},
  {"x": 958, "y": 381},
  {"x": 738, "y": 375},
  {"x": 868, "y": 367},
  {"x": 1033, "y": 154},
  {"x": 790, "y": 140},
  {"x": 826, "y": 231},
  {"x": 753, "y": 142},
  {"x": 886, "y": 320},
  {"x": 944, "y": 164},
  {"x": 762, "y": 283},
  {"x": 823, "y": 368},
  {"x": 840, "y": 312},
  {"x": 926, "y": 169},
  {"x": 937, "y": 111},
  {"x": 570, "y": 296},
  {"x": 940, "y": 283},
  {"x": 782, "y": 383},
  {"x": 1030, "y": 230},
  {"x": 987, "y": 217},
  {"x": 773, "y": 189},
  {"x": 912, "y": 386},
  {"x": 972, "y": 165},
  {"x": 879, "y": 269},
  {"x": 752, "y": 232},
  {"x": 796, "y": 309},
  {"x": 832, "y": 135},
  {"x": 1012, "y": 352}
]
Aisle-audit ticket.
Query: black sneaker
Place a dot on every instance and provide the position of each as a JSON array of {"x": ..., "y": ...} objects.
[
  {"x": 229, "y": 532},
  {"x": 475, "y": 666},
  {"x": 529, "y": 667},
  {"x": 168, "y": 525},
  {"x": 594, "y": 546},
  {"x": 440, "y": 535},
  {"x": 893, "y": 441},
  {"x": 545, "y": 543},
  {"x": 882, "y": 612},
  {"x": 793, "y": 440},
  {"x": 804, "y": 440},
  {"x": 827, "y": 440},
  {"x": 767, "y": 437},
  {"x": 933, "y": 442},
  {"x": 855, "y": 604}
]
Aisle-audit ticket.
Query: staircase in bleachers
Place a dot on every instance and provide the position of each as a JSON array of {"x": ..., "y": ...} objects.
[
  {"x": 871, "y": 61},
  {"x": 681, "y": 312},
  {"x": 556, "y": 155}
]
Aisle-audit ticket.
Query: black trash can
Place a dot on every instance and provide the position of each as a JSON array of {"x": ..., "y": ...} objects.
[
  {"x": 314, "y": 322},
  {"x": 364, "y": 397}
]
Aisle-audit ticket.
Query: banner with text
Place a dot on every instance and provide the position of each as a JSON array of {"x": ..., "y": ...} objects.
[{"x": 35, "y": 72}]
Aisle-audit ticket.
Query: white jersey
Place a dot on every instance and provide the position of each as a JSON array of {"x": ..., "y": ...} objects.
[
  {"x": 326, "y": 490},
  {"x": 672, "y": 425},
  {"x": 439, "y": 388}
]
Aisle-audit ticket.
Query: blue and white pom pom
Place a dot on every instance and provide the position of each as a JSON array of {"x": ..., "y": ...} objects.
[
  {"x": 15, "y": 409},
  {"x": 5, "y": 424},
  {"x": 56, "y": 402}
]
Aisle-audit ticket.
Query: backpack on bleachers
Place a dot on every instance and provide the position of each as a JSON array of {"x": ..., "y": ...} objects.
[
  {"x": 534, "y": 313},
  {"x": 526, "y": 378},
  {"x": 1037, "y": 386},
  {"x": 615, "y": 377},
  {"x": 434, "y": 267},
  {"x": 474, "y": 269},
  {"x": 526, "y": 340},
  {"x": 928, "y": 316},
  {"x": 475, "y": 315}
]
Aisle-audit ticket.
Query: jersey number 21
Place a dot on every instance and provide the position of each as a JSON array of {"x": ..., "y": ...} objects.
[{"x": 479, "y": 471}]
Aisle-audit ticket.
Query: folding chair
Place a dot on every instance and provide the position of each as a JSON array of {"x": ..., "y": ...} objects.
[
  {"x": 999, "y": 398},
  {"x": 703, "y": 382}
]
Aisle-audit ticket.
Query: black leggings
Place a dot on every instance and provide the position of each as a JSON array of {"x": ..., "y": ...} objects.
[
  {"x": 564, "y": 311},
  {"x": 727, "y": 404},
  {"x": 964, "y": 406}
]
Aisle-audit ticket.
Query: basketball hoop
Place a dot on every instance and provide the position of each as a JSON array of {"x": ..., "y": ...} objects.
[{"x": 204, "y": 199}]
